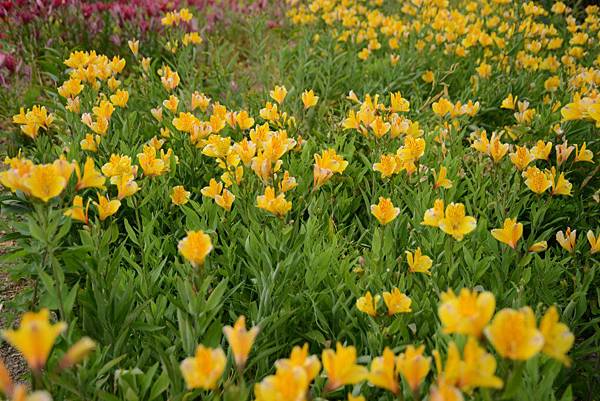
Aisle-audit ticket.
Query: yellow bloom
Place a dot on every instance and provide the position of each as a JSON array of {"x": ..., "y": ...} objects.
[
  {"x": 509, "y": 102},
  {"x": 341, "y": 368},
  {"x": 388, "y": 165},
  {"x": 106, "y": 207},
  {"x": 558, "y": 339},
  {"x": 484, "y": 70},
  {"x": 541, "y": 150},
  {"x": 191, "y": 38},
  {"x": 240, "y": 340},
  {"x": 126, "y": 185},
  {"x": 367, "y": 304},
  {"x": 510, "y": 233},
  {"x": 213, "y": 189},
  {"x": 287, "y": 182},
  {"x": 204, "y": 369},
  {"x": 134, "y": 46},
  {"x": 417, "y": 262},
  {"x": 567, "y": 239},
  {"x": 413, "y": 366},
  {"x": 444, "y": 392},
  {"x": 539, "y": 246},
  {"x": 441, "y": 181},
  {"x": 380, "y": 127},
  {"x": 383, "y": 372},
  {"x": 70, "y": 88},
  {"x": 514, "y": 335},
  {"x": 594, "y": 242},
  {"x": 91, "y": 178},
  {"x": 120, "y": 98},
  {"x": 299, "y": 357},
  {"x": 309, "y": 99},
  {"x": 225, "y": 199},
  {"x": 456, "y": 223},
  {"x": 396, "y": 302},
  {"x": 398, "y": 103},
  {"x": 90, "y": 143},
  {"x": 243, "y": 120},
  {"x": 77, "y": 352},
  {"x": 44, "y": 182},
  {"x": 171, "y": 103},
  {"x": 521, "y": 157},
  {"x": 35, "y": 337},
  {"x": 278, "y": 94},
  {"x": 200, "y": 100},
  {"x": 77, "y": 212},
  {"x": 327, "y": 164},
  {"x": 497, "y": 149},
  {"x": 434, "y": 216},
  {"x": 428, "y": 76},
  {"x": 583, "y": 154},
  {"x": 442, "y": 107},
  {"x": 277, "y": 205},
  {"x": 385, "y": 211},
  {"x": 536, "y": 180},
  {"x": 195, "y": 247},
  {"x": 468, "y": 313},
  {"x": 288, "y": 383},
  {"x": 179, "y": 196}
]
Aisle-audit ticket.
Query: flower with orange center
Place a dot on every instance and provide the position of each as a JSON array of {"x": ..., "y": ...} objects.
[
  {"x": 510, "y": 233},
  {"x": 341, "y": 367},
  {"x": 384, "y": 211},
  {"x": 456, "y": 223},
  {"x": 413, "y": 366},
  {"x": 204, "y": 369},
  {"x": 514, "y": 334},
  {"x": 240, "y": 340},
  {"x": 195, "y": 247}
]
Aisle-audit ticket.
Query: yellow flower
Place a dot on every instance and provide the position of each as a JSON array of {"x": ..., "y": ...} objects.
[
  {"x": 413, "y": 366},
  {"x": 120, "y": 98},
  {"x": 456, "y": 223},
  {"x": 583, "y": 154},
  {"x": 309, "y": 99},
  {"x": 567, "y": 239},
  {"x": 385, "y": 211},
  {"x": 594, "y": 242},
  {"x": 288, "y": 383},
  {"x": 444, "y": 392},
  {"x": 510, "y": 233},
  {"x": 277, "y": 205},
  {"x": 441, "y": 181},
  {"x": 357, "y": 398},
  {"x": 398, "y": 103},
  {"x": 77, "y": 212},
  {"x": 536, "y": 180},
  {"x": 560, "y": 186},
  {"x": 126, "y": 185},
  {"x": 35, "y": 337},
  {"x": 428, "y": 76},
  {"x": 442, "y": 107},
  {"x": 509, "y": 102},
  {"x": 278, "y": 94},
  {"x": 44, "y": 182},
  {"x": 539, "y": 246},
  {"x": 70, "y": 88},
  {"x": 417, "y": 262},
  {"x": 195, "y": 247},
  {"x": 434, "y": 216},
  {"x": 200, "y": 100},
  {"x": 558, "y": 339},
  {"x": 77, "y": 352},
  {"x": 204, "y": 369},
  {"x": 514, "y": 335},
  {"x": 541, "y": 150},
  {"x": 90, "y": 143},
  {"x": 477, "y": 369},
  {"x": 367, "y": 304},
  {"x": 213, "y": 189},
  {"x": 91, "y": 178},
  {"x": 287, "y": 182},
  {"x": 243, "y": 120},
  {"x": 327, "y": 164},
  {"x": 240, "y": 340},
  {"x": 468, "y": 313},
  {"x": 191, "y": 38},
  {"x": 387, "y": 166},
  {"x": 225, "y": 199},
  {"x": 171, "y": 103},
  {"x": 383, "y": 372},
  {"x": 179, "y": 196},
  {"x": 521, "y": 157},
  {"x": 396, "y": 302},
  {"x": 106, "y": 207},
  {"x": 299, "y": 358},
  {"x": 380, "y": 127},
  {"x": 341, "y": 368},
  {"x": 484, "y": 70},
  {"x": 134, "y": 46},
  {"x": 497, "y": 149}
]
